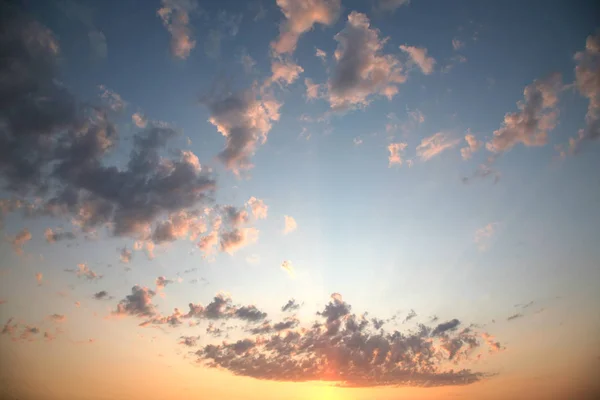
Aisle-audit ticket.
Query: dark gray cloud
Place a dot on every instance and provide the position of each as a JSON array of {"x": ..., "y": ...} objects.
[
  {"x": 55, "y": 147},
  {"x": 189, "y": 341},
  {"x": 363, "y": 354},
  {"x": 250, "y": 313},
  {"x": 56, "y": 236},
  {"x": 515, "y": 316},
  {"x": 291, "y": 305},
  {"x": 412, "y": 314},
  {"x": 445, "y": 327},
  {"x": 103, "y": 294}
]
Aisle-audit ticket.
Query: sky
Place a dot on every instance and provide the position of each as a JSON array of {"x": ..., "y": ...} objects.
[{"x": 299, "y": 199}]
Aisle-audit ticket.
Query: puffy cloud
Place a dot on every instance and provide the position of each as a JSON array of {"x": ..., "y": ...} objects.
[
  {"x": 361, "y": 70},
  {"x": 175, "y": 15},
  {"x": 396, "y": 150},
  {"x": 587, "y": 80},
  {"x": 349, "y": 350},
  {"x": 180, "y": 225},
  {"x": 161, "y": 282},
  {"x": 103, "y": 294},
  {"x": 390, "y": 5},
  {"x": 300, "y": 17},
  {"x": 83, "y": 271},
  {"x": 112, "y": 99},
  {"x": 436, "y": 144},
  {"x": 250, "y": 313},
  {"x": 418, "y": 55},
  {"x": 313, "y": 90},
  {"x": 483, "y": 235},
  {"x": 494, "y": 346},
  {"x": 290, "y": 224},
  {"x": 288, "y": 267},
  {"x": 189, "y": 341},
  {"x": 472, "y": 146},
  {"x": 284, "y": 72},
  {"x": 234, "y": 240},
  {"x": 235, "y": 216},
  {"x": 258, "y": 207},
  {"x": 139, "y": 120},
  {"x": 20, "y": 239},
  {"x": 138, "y": 303},
  {"x": 537, "y": 115},
  {"x": 221, "y": 307},
  {"x": 445, "y": 327},
  {"x": 244, "y": 119},
  {"x": 52, "y": 146},
  {"x": 54, "y": 236},
  {"x": 291, "y": 305},
  {"x": 125, "y": 255}
]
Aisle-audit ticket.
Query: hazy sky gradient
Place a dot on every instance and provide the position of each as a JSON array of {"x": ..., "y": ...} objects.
[{"x": 421, "y": 161}]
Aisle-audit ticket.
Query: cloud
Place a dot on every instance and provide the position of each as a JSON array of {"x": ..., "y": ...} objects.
[
  {"x": 290, "y": 224},
  {"x": 39, "y": 277},
  {"x": 234, "y": 240},
  {"x": 361, "y": 70},
  {"x": 138, "y": 303},
  {"x": 112, "y": 99},
  {"x": 537, "y": 115},
  {"x": 291, "y": 305},
  {"x": 236, "y": 217},
  {"x": 189, "y": 341},
  {"x": 125, "y": 255},
  {"x": 56, "y": 149},
  {"x": 515, "y": 316},
  {"x": 396, "y": 151},
  {"x": 483, "y": 235},
  {"x": 320, "y": 54},
  {"x": 434, "y": 145},
  {"x": 181, "y": 224},
  {"x": 161, "y": 282},
  {"x": 587, "y": 81},
  {"x": 313, "y": 90},
  {"x": 390, "y": 5},
  {"x": 350, "y": 351},
  {"x": 472, "y": 146},
  {"x": 83, "y": 271},
  {"x": 139, "y": 120},
  {"x": 287, "y": 267},
  {"x": 103, "y": 294},
  {"x": 457, "y": 44},
  {"x": 250, "y": 313},
  {"x": 494, "y": 346},
  {"x": 54, "y": 236},
  {"x": 244, "y": 119},
  {"x": 258, "y": 207},
  {"x": 20, "y": 239},
  {"x": 247, "y": 62},
  {"x": 221, "y": 307},
  {"x": 300, "y": 17},
  {"x": 58, "y": 318},
  {"x": 98, "y": 44},
  {"x": 284, "y": 72},
  {"x": 175, "y": 15},
  {"x": 412, "y": 314},
  {"x": 418, "y": 55}
]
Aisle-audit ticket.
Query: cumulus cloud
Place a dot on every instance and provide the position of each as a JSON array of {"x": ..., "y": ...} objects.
[
  {"x": 396, "y": 152},
  {"x": 180, "y": 225},
  {"x": 244, "y": 119},
  {"x": 300, "y": 17},
  {"x": 313, "y": 90},
  {"x": 587, "y": 80},
  {"x": 349, "y": 350},
  {"x": 138, "y": 303},
  {"x": 472, "y": 146},
  {"x": 434, "y": 145},
  {"x": 232, "y": 241},
  {"x": 537, "y": 116},
  {"x": 483, "y": 235},
  {"x": 418, "y": 55},
  {"x": 56, "y": 236},
  {"x": 321, "y": 54},
  {"x": 284, "y": 72},
  {"x": 20, "y": 239},
  {"x": 54, "y": 147},
  {"x": 189, "y": 341},
  {"x": 287, "y": 266},
  {"x": 83, "y": 271},
  {"x": 103, "y": 294},
  {"x": 362, "y": 70},
  {"x": 175, "y": 15},
  {"x": 258, "y": 207},
  {"x": 161, "y": 282},
  {"x": 139, "y": 120},
  {"x": 290, "y": 224}
]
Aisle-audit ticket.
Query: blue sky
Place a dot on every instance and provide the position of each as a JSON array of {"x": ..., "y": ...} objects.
[{"x": 388, "y": 191}]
